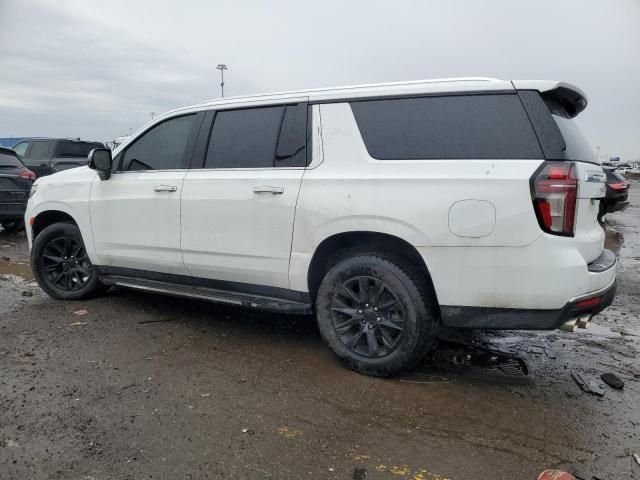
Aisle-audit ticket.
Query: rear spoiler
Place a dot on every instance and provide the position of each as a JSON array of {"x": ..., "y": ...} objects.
[{"x": 570, "y": 97}]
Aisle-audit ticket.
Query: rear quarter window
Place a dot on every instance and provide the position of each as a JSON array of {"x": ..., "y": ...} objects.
[{"x": 484, "y": 126}]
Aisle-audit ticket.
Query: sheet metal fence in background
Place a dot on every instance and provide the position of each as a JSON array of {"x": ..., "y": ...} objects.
[{"x": 10, "y": 141}]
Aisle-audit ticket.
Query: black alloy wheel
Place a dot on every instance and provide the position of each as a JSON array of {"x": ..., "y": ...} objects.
[
  {"x": 377, "y": 312},
  {"x": 368, "y": 316},
  {"x": 61, "y": 265},
  {"x": 65, "y": 263}
]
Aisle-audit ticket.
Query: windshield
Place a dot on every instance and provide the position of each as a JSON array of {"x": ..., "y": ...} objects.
[
  {"x": 68, "y": 148},
  {"x": 9, "y": 161}
]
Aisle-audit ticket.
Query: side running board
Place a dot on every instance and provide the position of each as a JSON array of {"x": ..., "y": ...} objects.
[{"x": 213, "y": 295}]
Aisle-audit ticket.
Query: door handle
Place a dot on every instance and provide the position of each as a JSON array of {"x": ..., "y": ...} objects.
[
  {"x": 165, "y": 188},
  {"x": 266, "y": 189}
]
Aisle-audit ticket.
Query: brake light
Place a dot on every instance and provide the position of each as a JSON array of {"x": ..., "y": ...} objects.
[
  {"x": 26, "y": 173},
  {"x": 618, "y": 186},
  {"x": 554, "y": 189}
]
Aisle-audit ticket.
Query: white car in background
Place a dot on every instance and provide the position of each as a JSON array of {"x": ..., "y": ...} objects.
[{"x": 388, "y": 211}]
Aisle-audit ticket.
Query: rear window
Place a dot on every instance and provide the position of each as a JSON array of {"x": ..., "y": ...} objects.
[
  {"x": 576, "y": 146},
  {"x": 613, "y": 176},
  {"x": 9, "y": 161},
  {"x": 487, "y": 126},
  {"x": 68, "y": 148}
]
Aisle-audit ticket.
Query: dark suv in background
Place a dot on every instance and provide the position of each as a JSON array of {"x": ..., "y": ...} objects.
[
  {"x": 15, "y": 185},
  {"x": 45, "y": 156},
  {"x": 617, "y": 193}
]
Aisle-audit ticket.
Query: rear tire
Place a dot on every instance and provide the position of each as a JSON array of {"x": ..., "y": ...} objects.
[
  {"x": 376, "y": 313},
  {"x": 60, "y": 263}
]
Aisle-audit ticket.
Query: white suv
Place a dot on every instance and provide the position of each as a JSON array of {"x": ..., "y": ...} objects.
[{"x": 387, "y": 210}]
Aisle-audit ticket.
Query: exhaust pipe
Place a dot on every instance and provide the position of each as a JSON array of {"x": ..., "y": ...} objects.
[
  {"x": 584, "y": 321},
  {"x": 570, "y": 326}
]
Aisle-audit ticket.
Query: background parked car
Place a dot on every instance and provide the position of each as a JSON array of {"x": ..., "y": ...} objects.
[
  {"x": 15, "y": 184},
  {"x": 617, "y": 193},
  {"x": 49, "y": 155}
]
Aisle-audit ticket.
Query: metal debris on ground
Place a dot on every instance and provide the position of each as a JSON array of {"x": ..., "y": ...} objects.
[
  {"x": 587, "y": 386},
  {"x": 555, "y": 475},
  {"x": 454, "y": 353},
  {"x": 77, "y": 324},
  {"x": 427, "y": 379},
  {"x": 359, "y": 473},
  {"x": 612, "y": 380},
  {"x": 80, "y": 312}
]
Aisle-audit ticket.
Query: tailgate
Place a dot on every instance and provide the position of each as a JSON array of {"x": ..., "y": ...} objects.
[
  {"x": 552, "y": 107},
  {"x": 589, "y": 235}
]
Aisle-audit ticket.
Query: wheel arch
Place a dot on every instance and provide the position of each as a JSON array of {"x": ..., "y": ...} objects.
[
  {"x": 339, "y": 245},
  {"x": 48, "y": 217}
]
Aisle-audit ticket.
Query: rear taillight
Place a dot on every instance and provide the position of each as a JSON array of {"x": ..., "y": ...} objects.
[
  {"x": 554, "y": 189},
  {"x": 618, "y": 186},
  {"x": 26, "y": 173}
]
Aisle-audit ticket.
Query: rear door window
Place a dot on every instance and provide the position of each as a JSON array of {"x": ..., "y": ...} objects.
[
  {"x": 40, "y": 150},
  {"x": 483, "y": 126},
  {"x": 264, "y": 137},
  {"x": 161, "y": 148}
]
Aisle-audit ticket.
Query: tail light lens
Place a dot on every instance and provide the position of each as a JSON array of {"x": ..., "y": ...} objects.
[
  {"x": 26, "y": 173},
  {"x": 554, "y": 189},
  {"x": 618, "y": 186}
]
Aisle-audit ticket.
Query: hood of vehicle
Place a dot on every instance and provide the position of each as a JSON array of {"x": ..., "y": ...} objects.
[{"x": 80, "y": 174}]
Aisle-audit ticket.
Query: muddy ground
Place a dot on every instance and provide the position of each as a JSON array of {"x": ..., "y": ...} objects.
[{"x": 146, "y": 386}]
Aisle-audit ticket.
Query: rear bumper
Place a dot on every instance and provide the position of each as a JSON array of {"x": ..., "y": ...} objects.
[
  {"x": 527, "y": 319},
  {"x": 499, "y": 318},
  {"x": 12, "y": 211},
  {"x": 616, "y": 206}
]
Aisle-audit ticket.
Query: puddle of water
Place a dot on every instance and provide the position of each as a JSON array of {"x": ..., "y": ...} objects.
[
  {"x": 22, "y": 270},
  {"x": 14, "y": 256}
]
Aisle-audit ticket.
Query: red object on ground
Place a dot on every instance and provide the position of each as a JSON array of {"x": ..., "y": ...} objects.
[{"x": 555, "y": 475}]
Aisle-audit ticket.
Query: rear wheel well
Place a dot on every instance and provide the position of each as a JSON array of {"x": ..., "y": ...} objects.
[
  {"x": 339, "y": 246},
  {"x": 44, "y": 219}
]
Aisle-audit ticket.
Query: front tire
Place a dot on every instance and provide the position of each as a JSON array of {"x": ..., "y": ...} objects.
[
  {"x": 376, "y": 313},
  {"x": 61, "y": 265}
]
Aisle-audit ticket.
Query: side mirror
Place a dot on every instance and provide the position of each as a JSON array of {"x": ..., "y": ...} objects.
[{"x": 101, "y": 161}]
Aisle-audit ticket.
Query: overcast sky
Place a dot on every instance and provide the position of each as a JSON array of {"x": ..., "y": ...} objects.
[{"x": 95, "y": 69}]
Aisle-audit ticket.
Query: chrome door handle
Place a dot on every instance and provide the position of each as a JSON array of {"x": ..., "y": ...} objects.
[
  {"x": 266, "y": 189},
  {"x": 165, "y": 188}
]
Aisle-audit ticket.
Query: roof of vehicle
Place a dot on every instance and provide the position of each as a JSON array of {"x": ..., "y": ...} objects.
[
  {"x": 441, "y": 85},
  {"x": 50, "y": 139},
  {"x": 564, "y": 91}
]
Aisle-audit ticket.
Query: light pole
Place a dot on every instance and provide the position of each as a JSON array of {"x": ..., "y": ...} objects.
[
  {"x": 598, "y": 154},
  {"x": 222, "y": 67},
  {"x": 153, "y": 114}
]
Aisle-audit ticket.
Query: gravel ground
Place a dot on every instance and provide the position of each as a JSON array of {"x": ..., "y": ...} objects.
[{"x": 134, "y": 386}]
